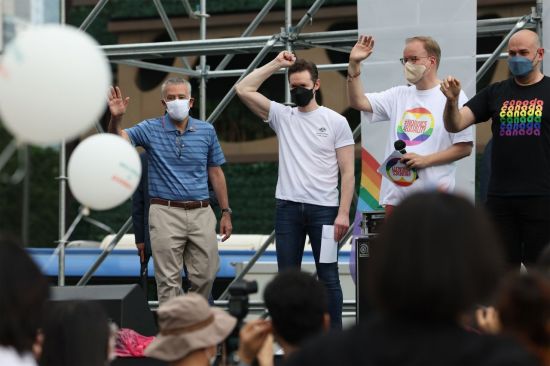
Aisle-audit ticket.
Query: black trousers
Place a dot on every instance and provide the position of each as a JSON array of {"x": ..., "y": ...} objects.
[{"x": 524, "y": 225}]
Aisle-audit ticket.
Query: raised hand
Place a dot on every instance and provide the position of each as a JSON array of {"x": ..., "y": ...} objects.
[
  {"x": 450, "y": 87},
  {"x": 285, "y": 58},
  {"x": 117, "y": 104},
  {"x": 362, "y": 49}
]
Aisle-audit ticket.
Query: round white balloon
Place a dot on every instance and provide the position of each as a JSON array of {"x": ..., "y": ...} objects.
[
  {"x": 53, "y": 84},
  {"x": 103, "y": 171}
]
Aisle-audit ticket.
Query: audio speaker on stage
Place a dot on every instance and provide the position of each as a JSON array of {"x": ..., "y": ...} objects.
[
  {"x": 370, "y": 227},
  {"x": 125, "y": 304}
]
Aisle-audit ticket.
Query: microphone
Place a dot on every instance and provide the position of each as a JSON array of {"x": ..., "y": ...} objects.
[{"x": 400, "y": 145}]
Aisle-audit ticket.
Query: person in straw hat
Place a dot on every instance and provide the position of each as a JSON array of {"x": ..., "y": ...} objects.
[{"x": 189, "y": 331}]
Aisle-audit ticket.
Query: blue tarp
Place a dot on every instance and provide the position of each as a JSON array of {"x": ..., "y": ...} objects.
[{"x": 125, "y": 262}]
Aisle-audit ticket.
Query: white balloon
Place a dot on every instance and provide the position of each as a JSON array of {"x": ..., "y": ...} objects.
[
  {"x": 103, "y": 171},
  {"x": 53, "y": 84}
]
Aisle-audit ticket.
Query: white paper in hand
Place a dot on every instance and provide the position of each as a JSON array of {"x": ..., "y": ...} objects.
[{"x": 329, "y": 246}]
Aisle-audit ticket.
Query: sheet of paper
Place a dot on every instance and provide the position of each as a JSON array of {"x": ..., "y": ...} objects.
[
  {"x": 329, "y": 246},
  {"x": 397, "y": 172}
]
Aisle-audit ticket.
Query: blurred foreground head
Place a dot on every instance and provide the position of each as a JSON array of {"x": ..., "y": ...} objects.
[
  {"x": 297, "y": 305},
  {"x": 523, "y": 305},
  {"x": 23, "y": 295},
  {"x": 436, "y": 257},
  {"x": 75, "y": 333}
]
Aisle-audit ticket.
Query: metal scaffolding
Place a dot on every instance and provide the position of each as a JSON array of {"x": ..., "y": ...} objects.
[{"x": 290, "y": 38}]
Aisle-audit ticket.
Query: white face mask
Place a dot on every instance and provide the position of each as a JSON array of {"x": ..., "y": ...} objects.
[
  {"x": 178, "y": 109},
  {"x": 414, "y": 72}
]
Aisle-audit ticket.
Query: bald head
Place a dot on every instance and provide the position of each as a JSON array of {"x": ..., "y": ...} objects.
[
  {"x": 525, "y": 44},
  {"x": 525, "y": 38}
]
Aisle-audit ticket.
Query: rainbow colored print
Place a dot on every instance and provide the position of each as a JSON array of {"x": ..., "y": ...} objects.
[
  {"x": 521, "y": 117},
  {"x": 399, "y": 173},
  {"x": 416, "y": 126}
]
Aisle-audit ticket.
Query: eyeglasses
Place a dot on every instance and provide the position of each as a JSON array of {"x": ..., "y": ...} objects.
[
  {"x": 413, "y": 59},
  {"x": 179, "y": 145}
]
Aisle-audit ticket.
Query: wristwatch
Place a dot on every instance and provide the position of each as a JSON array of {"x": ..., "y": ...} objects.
[{"x": 228, "y": 210}]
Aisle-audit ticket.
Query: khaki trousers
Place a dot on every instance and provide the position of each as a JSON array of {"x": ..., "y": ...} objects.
[{"x": 181, "y": 236}]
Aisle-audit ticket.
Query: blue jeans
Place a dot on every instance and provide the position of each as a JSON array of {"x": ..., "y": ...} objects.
[{"x": 293, "y": 221}]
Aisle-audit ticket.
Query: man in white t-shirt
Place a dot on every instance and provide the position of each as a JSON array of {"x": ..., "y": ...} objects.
[
  {"x": 315, "y": 144},
  {"x": 415, "y": 114}
]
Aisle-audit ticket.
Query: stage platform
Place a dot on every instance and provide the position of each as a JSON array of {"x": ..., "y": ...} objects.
[{"x": 122, "y": 266}]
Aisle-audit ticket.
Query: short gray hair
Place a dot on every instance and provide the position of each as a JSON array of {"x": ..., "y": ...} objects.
[{"x": 174, "y": 81}]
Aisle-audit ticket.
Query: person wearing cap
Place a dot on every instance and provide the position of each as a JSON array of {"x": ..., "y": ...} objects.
[{"x": 190, "y": 330}]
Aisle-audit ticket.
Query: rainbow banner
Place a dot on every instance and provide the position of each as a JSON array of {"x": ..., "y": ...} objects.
[
  {"x": 369, "y": 191},
  {"x": 374, "y": 137}
]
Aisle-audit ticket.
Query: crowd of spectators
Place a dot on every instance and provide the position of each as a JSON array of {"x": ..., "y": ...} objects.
[{"x": 437, "y": 282}]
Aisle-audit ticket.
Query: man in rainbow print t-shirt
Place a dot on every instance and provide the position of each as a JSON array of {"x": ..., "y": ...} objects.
[
  {"x": 415, "y": 114},
  {"x": 519, "y": 186}
]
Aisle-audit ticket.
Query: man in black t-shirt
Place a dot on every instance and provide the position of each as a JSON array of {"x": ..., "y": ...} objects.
[{"x": 519, "y": 186}]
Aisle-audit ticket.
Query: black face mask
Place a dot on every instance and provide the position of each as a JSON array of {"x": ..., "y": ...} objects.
[{"x": 301, "y": 96}]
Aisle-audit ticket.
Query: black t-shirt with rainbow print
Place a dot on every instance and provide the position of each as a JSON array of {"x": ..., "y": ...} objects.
[{"x": 520, "y": 160}]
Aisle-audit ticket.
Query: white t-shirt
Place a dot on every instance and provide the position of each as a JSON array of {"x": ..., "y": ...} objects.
[
  {"x": 10, "y": 357},
  {"x": 308, "y": 168},
  {"x": 416, "y": 117}
]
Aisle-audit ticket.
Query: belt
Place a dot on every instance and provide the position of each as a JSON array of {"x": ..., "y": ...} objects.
[{"x": 187, "y": 205}]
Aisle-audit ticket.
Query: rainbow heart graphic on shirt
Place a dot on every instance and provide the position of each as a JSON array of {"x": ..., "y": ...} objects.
[
  {"x": 399, "y": 173},
  {"x": 416, "y": 126}
]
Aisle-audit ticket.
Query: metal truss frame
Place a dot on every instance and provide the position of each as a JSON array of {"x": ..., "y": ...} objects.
[{"x": 290, "y": 38}]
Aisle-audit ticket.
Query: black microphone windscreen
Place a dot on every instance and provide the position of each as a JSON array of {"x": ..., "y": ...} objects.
[{"x": 399, "y": 145}]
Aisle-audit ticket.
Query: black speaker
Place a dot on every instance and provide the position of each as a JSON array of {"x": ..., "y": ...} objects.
[
  {"x": 362, "y": 255},
  {"x": 125, "y": 304},
  {"x": 370, "y": 227}
]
